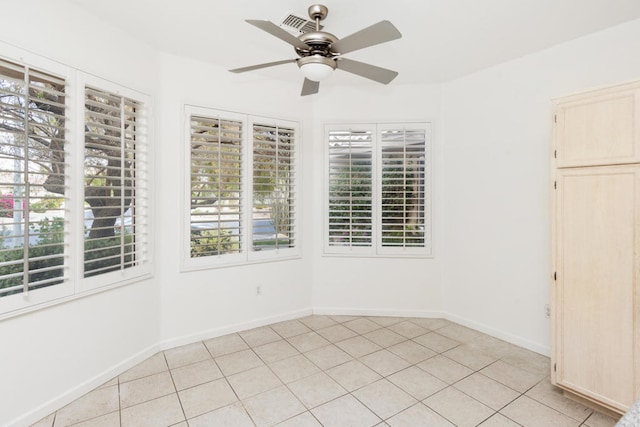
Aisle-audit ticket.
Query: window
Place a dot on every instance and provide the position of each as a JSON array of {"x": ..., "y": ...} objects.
[
  {"x": 115, "y": 183},
  {"x": 242, "y": 176},
  {"x": 73, "y": 184},
  {"x": 378, "y": 190}
]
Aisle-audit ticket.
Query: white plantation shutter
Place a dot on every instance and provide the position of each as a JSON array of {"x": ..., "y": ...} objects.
[
  {"x": 378, "y": 198},
  {"x": 115, "y": 183},
  {"x": 402, "y": 212},
  {"x": 274, "y": 187},
  {"x": 216, "y": 186},
  {"x": 350, "y": 169},
  {"x": 33, "y": 179}
]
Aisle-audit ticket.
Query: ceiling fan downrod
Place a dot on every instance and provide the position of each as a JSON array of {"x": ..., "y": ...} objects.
[{"x": 318, "y": 12}]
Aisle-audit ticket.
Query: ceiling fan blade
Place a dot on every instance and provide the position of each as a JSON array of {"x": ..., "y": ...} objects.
[
  {"x": 378, "y": 74},
  {"x": 381, "y": 32},
  {"x": 258, "y": 66},
  {"x": 278, "y": 32},
  {"x": 309, "y": 87}
]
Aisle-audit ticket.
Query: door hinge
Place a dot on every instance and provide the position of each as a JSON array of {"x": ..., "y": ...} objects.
[
  {"x": 555, "y": 185},
  {"x": 555, "y": 154},
  {"x": 555, "y": 276},
  {"x": 554, "y": 367},
  {"x": 555, "y": 118}
]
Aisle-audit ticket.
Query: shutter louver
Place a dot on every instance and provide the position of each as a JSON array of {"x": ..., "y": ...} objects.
[
  {"x": 216, "y": 186},
  {"x": 116, "y": 231},
  {"x": 403, "y": 193},
  {"x": 32, "y": 179},
  {"x": 274, "y": 189},
  {"x": 350, "y": 205}
]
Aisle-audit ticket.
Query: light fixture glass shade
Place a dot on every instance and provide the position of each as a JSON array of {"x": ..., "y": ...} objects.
[{"x": 316, "y": 68}]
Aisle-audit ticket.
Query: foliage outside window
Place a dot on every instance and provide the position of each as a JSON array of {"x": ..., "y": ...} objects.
[
  {"x": 45, "y": 210},
  {"x": 242, "y": 181},
  {"x": 378, "y": 198}
]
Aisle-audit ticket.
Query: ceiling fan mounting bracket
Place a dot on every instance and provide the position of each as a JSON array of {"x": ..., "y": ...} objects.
[{"x": 318, "y": 12}]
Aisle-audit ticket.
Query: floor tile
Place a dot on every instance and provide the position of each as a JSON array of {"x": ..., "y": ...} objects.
[
  {"x": 316, "y": 390},
  {"x": 499, "y": 420},
  {"x": 600, "y": 420},
  {"x": 275, "y": 351},
  {"x": 294, "y": 368},
  {"x": 461, "y": 333},
  {"x": 273, "y": 406},
  {"x": 336, "y": 333},
  {"x": 385, "y": 320},
  {"x": 358, "y": 346},
  {"x": 306, "y": 419},
  {"x": 145, "y": 389},
  {"x": 457, "y": 407},
  {"x": 259, "y": 336},
  {"x": 316, "y": 322},
  {"x": 430, "y": 323},
  {"x": 493, "y": 346},
  {"x": 162, "y": 412},
  {"x": 115, "y": 381},
  {"x": 529, "y": 413},
  {"x": 109, "y": 420},
  {"x": 353, "y": 375},
  {"x": 417, "y": 382},
  {"x": 412, "y": 352},
  {"x": 290, "y": 328},
  {"x": 511, "y": 376},
  {"x": 436, "y": 342},
  {"x": 487, "y": 391},
  {"x": 384, "y": 362},
  {"x": 153, "y": 365},
  {"x": 93, "y": 404},
  {"x": 408, "y": 329},
  {"x": 328, "y": 356},
  {"x": 237, "y": 362},
  {"x": 343, "y": 318},
  {"x": 229, "y": 416},
  {"x": 362, "y": 325},
  {"x": 446, "y": 369},
  {"x": 45, "y": 422},
  {"x": 553, "y": 397},
  {"x": 471, "y": 356},
  {"x": 195, "y": 374},
  {"x": 307, "y": 342},
  {"x": 418, "y": 416},
  {"x": 254, "y": 381},
  {"x": 345, "y": 411},
  {"x": 528, "y": 360},
  {"x": 384, "y": 337},
  {"x": 186, "y": 355},
  {"x": 395, "y": 400},
  {"x": 206, "y": 397},
  {"x": 226, "y": 344}
]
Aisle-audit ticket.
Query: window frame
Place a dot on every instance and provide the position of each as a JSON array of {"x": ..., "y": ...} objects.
[
  {"x": 76, "y": 286},
  {"x": 376, "y": 249},
  {"x": 247, "y": 255}
]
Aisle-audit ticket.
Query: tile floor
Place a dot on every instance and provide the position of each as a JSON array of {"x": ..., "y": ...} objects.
[{"x": 335, "y": 371}]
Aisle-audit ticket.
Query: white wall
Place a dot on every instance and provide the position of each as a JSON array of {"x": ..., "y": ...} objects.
[
  {"x": 209, "y": 302},
  {"x": 497, "y": 133},
  {"x": 376, "y": 285},
  {"x": 58, "y": 353}
]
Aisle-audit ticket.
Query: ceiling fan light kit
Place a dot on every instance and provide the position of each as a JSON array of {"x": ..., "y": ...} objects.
[{"x": 320, "y": 52}]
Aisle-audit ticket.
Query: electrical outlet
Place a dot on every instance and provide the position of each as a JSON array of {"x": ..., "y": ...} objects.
[
  {"x": 258, "y": 290},
  {"x": 547, "y": 311}
]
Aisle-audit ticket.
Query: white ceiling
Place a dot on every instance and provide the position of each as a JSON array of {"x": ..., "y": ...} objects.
[{"x": 442, "y": 39}]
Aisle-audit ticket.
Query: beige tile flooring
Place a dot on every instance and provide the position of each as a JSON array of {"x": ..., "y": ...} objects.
[{"x": 335, "y": 371}]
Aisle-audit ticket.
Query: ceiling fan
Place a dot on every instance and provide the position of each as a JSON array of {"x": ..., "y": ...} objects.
[{"x": 320, "y": 53}]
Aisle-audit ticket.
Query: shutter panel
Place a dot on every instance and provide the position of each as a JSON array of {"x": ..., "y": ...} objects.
[
  {"x": 33, "y": 179},
  {"x": 274, "y": 187},
  {"x": 350, "y": 202},
  {"x": 115, "y": 168},
  {"x": 403, "y": 161},
  {"x": 216, "y": 186}
]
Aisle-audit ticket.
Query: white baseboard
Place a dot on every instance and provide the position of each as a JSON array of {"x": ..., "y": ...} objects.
[
  {"x": 376, "y": 312},
  {"x": 80, "y": 390}
]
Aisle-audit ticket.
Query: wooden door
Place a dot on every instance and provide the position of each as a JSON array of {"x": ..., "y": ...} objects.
[
  {"x": 596, "y": 344},
  {"x": 598, "y": 128}
]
